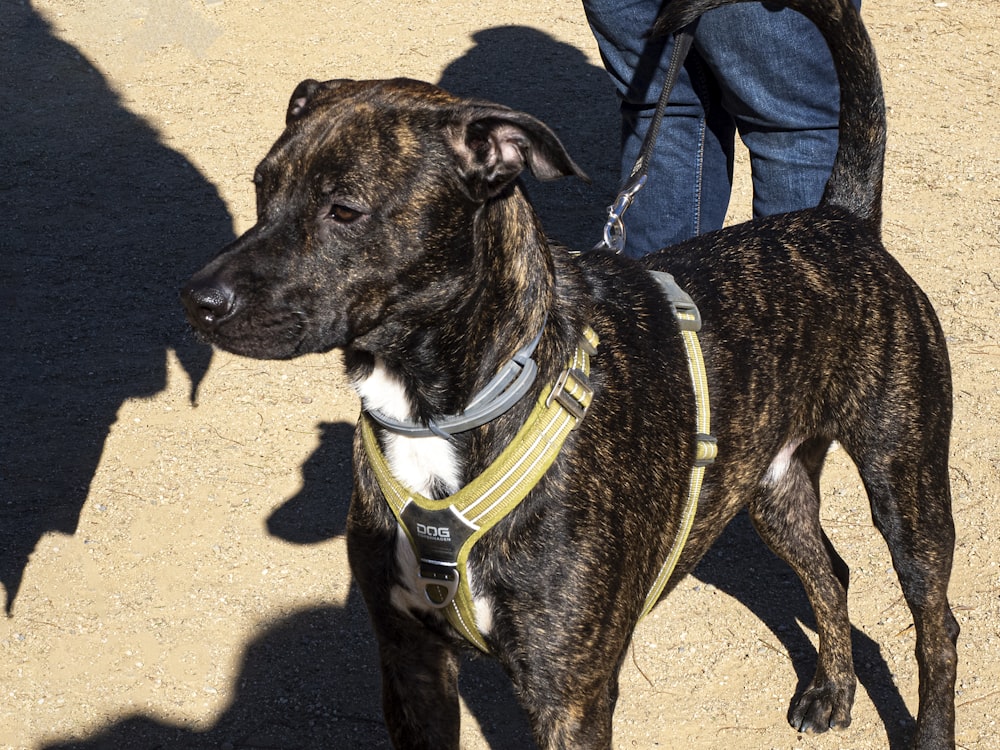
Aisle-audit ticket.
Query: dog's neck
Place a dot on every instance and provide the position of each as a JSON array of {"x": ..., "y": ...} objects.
[
  {"x": 495, "y": 305},
  {"x": 508, "y": 295}
]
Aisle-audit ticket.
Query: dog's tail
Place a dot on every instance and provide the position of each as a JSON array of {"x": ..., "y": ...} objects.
[{"x": 856, "y": 180}]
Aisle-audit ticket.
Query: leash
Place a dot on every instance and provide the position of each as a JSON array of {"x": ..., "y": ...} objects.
[
  {"x": 443, "y": 532},
  {"x": 614, "y": 229}
]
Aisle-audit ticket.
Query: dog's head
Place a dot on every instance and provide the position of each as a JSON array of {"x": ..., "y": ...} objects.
[{"x": 366, "y": 216}]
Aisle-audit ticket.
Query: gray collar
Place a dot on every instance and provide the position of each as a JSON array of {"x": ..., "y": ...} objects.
[{"x": 500, "y": 394}]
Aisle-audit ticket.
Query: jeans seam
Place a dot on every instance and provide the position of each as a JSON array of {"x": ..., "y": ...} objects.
[
  {"x": 700, "y": 87},
  {"x": 699, "y": 187}
]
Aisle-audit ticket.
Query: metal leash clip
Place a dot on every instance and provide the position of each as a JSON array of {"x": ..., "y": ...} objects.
[{"x": 614, "y": 229}]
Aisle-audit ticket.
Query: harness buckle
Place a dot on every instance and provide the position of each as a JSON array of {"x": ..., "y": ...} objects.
[
  {"x": 707, "y": 449},
  {"x": 685, "y": 310},
  {"x": 687, "y": 314},
  {"x": 439, "y": 581},
  {"x": 573, "y": 393}
]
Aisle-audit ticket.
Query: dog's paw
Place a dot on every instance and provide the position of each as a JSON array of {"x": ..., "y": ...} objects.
[{"x": 821, "y": 708}]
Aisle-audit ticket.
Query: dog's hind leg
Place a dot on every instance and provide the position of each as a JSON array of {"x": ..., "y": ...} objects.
[
  {"x": 786, "y": 515},
  {"x": 911, "y": 506}
]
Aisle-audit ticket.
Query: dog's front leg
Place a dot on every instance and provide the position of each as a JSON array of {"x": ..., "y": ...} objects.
[
  {"x": 575, "y": 725},
  {"x": 419, "y": 685},
  {"x": 569, "y": 700},
  {"x": 419, "y": 668}
]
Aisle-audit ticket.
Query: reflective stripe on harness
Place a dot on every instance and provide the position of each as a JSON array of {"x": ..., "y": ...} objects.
[
  {"x": 689, "y": 321},
  {"x": 443, "y": 532}
]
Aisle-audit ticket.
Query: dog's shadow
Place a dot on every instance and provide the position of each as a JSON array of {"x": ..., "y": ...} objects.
[
  {"x": 309, "y": 681},
  {"x": 741, "y": 565}
]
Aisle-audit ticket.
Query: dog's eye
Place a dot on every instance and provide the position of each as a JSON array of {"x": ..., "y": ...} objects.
[{"x": 344, "y": 214}]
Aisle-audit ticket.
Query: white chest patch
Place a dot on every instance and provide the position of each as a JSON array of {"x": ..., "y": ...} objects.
[{"x": 419, "y": 463}]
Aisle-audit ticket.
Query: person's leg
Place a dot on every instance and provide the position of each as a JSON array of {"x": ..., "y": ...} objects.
[
  {"x": 779, "y": 84},
  {"x": 690, "y": 171}
]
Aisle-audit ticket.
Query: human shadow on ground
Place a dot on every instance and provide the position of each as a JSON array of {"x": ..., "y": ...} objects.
[{"x": 102, "y": 223}]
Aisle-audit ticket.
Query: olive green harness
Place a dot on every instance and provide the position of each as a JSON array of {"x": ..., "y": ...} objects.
[{"x": 443, "y": 532}]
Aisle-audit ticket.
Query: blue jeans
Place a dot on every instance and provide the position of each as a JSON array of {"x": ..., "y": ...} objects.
[{"x": 764, "y": 73}]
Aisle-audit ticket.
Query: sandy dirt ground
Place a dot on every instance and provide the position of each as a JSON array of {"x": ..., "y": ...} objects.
[{"x": 175, "y": 574}]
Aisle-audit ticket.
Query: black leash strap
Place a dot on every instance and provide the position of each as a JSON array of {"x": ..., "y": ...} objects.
[{"x": 614, "y": 229}]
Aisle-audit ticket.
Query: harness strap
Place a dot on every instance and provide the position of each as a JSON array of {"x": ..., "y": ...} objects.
[
  {"x": 443, "y": 532},
  {"x": 689, "y": 321}
]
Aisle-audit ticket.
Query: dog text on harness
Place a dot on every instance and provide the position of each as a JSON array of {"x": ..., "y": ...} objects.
[{"x": 442, "y": 533}]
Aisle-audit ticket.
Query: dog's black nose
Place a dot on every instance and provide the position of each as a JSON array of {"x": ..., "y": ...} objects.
[{"x": 208, "y": 303}]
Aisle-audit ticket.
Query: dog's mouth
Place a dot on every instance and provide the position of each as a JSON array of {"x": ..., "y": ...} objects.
[
  {"x": 274, "y": 341},
  {"x": 223, "y": 318}
]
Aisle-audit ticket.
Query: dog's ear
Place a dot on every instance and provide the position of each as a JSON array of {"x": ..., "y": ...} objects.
[
  {"x": 495, "y": 144},
  {"x": 304, "y": 96},
  {"x": 301, "y": 97}
]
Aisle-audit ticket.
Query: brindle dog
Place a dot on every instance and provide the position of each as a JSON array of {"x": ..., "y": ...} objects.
[{"x": 391, "y": 224}]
